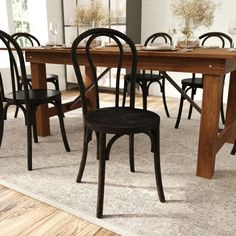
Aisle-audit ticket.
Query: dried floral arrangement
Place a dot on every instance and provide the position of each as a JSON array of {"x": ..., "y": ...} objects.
[
  {"x": 194, "y": 13},
  {"x": 92, "y": 15}
]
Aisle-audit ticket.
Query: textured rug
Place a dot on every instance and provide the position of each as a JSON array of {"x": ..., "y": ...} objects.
[{"x": 194, "y": 206}]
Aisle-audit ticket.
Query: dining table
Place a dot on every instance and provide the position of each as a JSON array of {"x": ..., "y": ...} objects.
[{"x": 213, "y": 63}]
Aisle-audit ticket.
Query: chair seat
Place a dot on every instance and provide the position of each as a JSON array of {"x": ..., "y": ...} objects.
[
  {"x": 35, "y": 95},
  {"x": 146, "y": 77},
  {"x": 198, "y": 83},
  {"x": 123, "y": 119}
]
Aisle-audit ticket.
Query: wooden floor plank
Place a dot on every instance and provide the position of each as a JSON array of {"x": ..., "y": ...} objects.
[{"x": 58, "y": 223}]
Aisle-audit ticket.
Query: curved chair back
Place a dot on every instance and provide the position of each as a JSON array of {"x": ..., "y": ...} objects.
[
  {"x": 26, "y": 39},
  {"x": 160, "y": 37},
  {"x": 124, "y": 51},
  {"x": 217, "y": 38},
  {"x": 17, "y": 71}
]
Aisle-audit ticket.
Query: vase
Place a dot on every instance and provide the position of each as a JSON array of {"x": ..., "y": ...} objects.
[{"x": 188, "y": 42}]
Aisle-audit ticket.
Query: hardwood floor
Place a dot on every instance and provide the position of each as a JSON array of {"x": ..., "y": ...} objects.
[{"x": 22, "y": 215}]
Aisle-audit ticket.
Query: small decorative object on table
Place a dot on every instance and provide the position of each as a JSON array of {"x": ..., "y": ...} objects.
[
  {"x": 193, "y": 14},
  {"x": 53, "y": 30}
]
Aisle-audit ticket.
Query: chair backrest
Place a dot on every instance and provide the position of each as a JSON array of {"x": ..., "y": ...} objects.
[
  {"x": 160, "y": 37},
  {"x": 26, "y": 39},
  {"x": 157, "y": 38},
  {"x": 124, "y": 52},
  {"x": 217, "y": 39},
  {"x": 15, "y": 72}
]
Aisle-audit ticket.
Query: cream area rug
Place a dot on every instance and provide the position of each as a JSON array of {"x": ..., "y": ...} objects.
[{"x": 194, "y": 205}]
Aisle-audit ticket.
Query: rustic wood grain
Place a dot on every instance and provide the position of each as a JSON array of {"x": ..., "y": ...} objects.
[{"x": 23, "y": 216}]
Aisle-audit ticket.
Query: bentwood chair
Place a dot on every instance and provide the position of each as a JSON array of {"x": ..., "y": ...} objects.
[
  {"x": 146, "y": 79},
  {"x": 116, "y": 120},
  {"x": 192, "y": 84},
  {"x": 27, "y": 99},
  {"x": 29, "y": 40}
]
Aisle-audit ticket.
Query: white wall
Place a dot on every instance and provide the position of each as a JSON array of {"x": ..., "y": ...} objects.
[{"x": 157, "y": 16}]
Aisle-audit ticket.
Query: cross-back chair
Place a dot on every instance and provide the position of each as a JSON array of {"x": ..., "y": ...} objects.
[
  {"x": 219, "y": 39},
  {"x": 116, "y": 120},
  {"x": 146, "y": 79},
  {"x": 27, "y": 99}
]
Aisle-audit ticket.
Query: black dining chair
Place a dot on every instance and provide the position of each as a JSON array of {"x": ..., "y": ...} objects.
[
  {"x": 146, "y": 78},
  {"x": 233, "y": 151},
  {"x": 219, "y": 39},
  {"x": 28, "y": 40},
  {"x": 115, "y": 120},
  {"x": 27, "y": 99}
]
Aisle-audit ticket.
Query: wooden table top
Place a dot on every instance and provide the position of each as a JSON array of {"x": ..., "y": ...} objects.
[
  {"x": 223, "y": 53},
  {"x": 199, "y": 60}
]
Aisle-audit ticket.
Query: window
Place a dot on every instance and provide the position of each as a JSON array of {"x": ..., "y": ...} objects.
[
  {"x": 20, "y": 13},
  {"x": 117, "y": 11}
]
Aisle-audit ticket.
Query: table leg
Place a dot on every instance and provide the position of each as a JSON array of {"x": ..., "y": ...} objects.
[
  {"x": 38, "y": 72},
  {"x": 211, "y": 101}
]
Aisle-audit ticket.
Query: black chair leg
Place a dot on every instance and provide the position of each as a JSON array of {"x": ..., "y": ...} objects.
[
  {"x": 194, "y": 90},
  {"x": 164, "y": 97},
  {"x": 233, "y": 151},
  {"x": 63, "y": 133},
  {"x": 101, "y": 175},
  {"x": 34, "y": 126},
  {"x": 222, "y": 104},
  {"x": 84, "y": 156},
  {"x": 157, "y": 166},
  {"x": 17, "y": 107},
  {"x": 1, "y": 130},
  {"x": 16, "y": 111},
  {"x": 126, "y": 82},
  {"x": 145, "y": 94},
  {"x": 56, "y": 84},
  {"x": 62, "y": 126},
  {"x": 222, "y": 112},
  {"x": 179, "y": 112},
  {"x": 97, "y": 139},
  {"x": 131, "y": 152},
  {"x": 29, "y": 146},
  {"x": 1, "y": 122}
]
